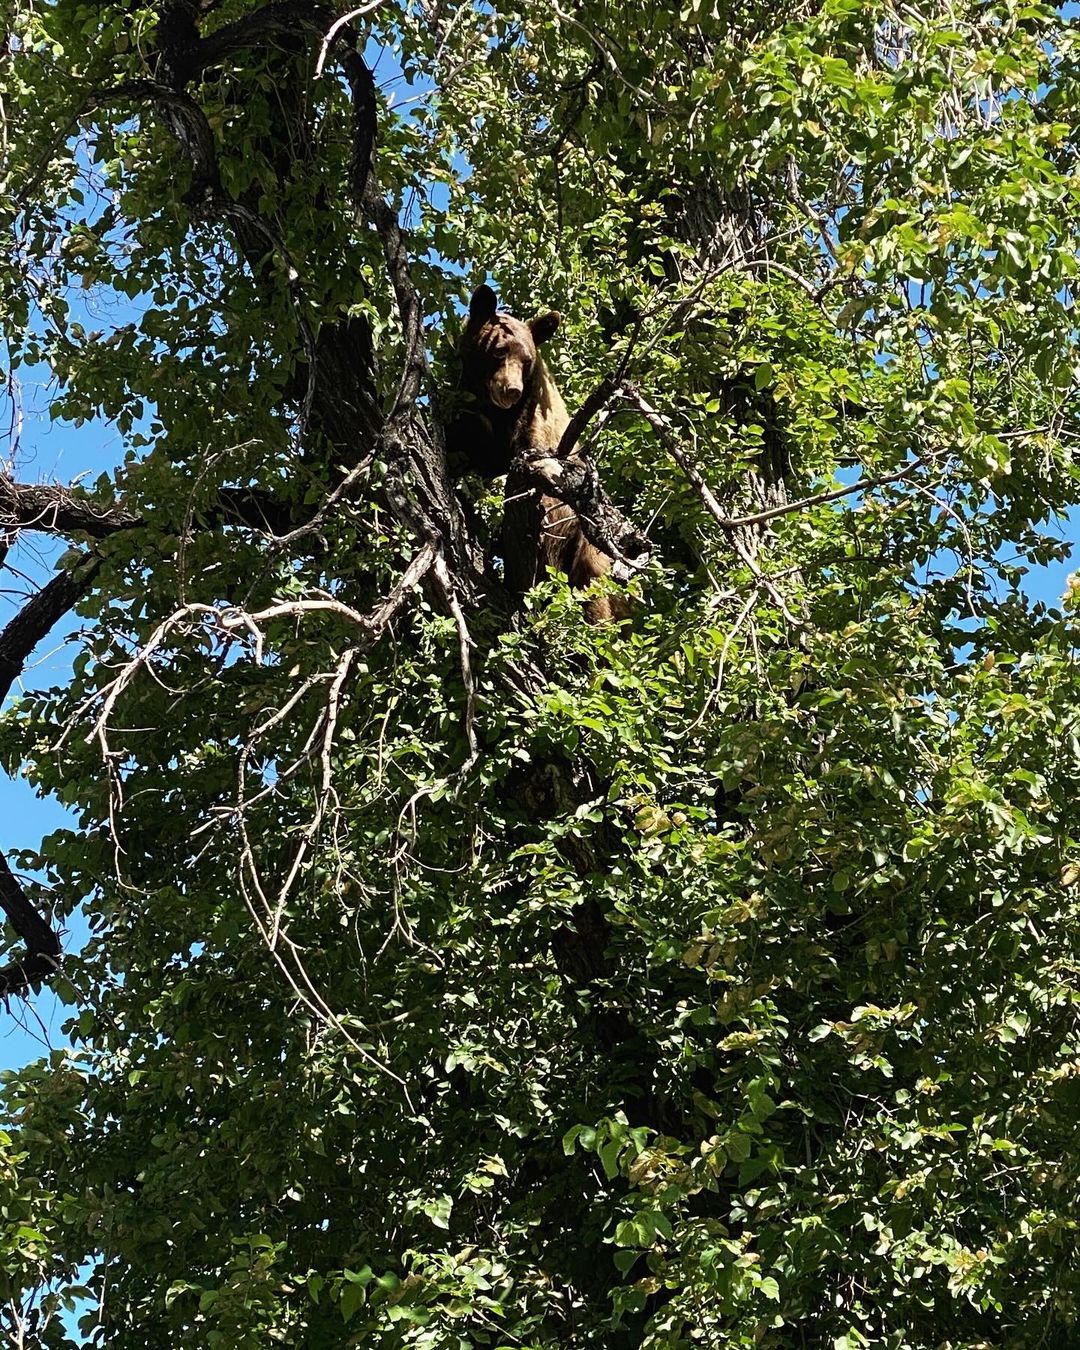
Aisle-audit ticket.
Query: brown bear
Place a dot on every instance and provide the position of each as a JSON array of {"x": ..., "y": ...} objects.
[{"x": 513, "y": 406}]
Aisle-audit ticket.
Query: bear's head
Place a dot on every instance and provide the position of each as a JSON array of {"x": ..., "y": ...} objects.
[{"x": 498, "y": 352}]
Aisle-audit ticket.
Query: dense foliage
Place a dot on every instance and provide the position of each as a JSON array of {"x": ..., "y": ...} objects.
[{"x": 706, "y": 982}]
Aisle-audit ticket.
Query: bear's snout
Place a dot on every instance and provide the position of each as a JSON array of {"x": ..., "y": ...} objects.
[{"x": 507, "y": 388}]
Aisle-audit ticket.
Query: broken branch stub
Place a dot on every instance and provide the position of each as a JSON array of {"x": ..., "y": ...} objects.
[{"x": 576, "y": 482}]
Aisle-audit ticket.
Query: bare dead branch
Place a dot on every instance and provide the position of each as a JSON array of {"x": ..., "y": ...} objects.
[
  {"x": 336, "y": 28},
  {"x": 58, "y": 510},
  {"x": 229, "y": 621}
]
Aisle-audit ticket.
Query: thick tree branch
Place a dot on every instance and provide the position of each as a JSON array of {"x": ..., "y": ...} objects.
[
  {"x": 58, "y": 510},
  {"x": 178, "y": 40},
  {"x": 252, "y": 507},
  {"x": 185, "y": 55},
  {"x": 38, "y": 616},
  {"x": 272, "y": 20},
  {"x": 364, "y": 122},
  {"x": 339, "y": 400},
  {"x": 188, "y": 124},
  {"x": 33, "y": 623},
  {"x": 602, "y": 395},
  {"x": 43, "y": 951},
  {"x": 53, "y": 509},
  {"x": 408, "y": 301},
  {"x": 417, "y": 488}
]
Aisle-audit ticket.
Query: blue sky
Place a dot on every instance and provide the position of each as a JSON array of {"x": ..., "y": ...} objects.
[{"x": 49, "y": 452}]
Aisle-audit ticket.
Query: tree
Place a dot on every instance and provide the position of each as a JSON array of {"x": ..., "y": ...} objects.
[{"x": 466, "y": 978}]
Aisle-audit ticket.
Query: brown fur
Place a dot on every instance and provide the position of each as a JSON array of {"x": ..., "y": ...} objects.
[{"x": 515, "y": 407}]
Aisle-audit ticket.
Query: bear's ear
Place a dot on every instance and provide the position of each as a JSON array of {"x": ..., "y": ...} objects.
[
  {"x": 482, "y": 306},
  {"x": 544, "y": 326}
]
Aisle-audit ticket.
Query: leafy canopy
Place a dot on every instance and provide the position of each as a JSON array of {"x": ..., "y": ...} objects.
[{"x": 726, "y": 995}]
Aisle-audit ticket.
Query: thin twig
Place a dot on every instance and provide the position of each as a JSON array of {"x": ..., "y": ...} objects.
[
  {"x": 307, "y": 839},
  {"x": 283, "y": 541},
  {"x": 663, "y": 430},
  {"x": 607, "y": 56},
  {"x": 834, "y": 494},
  {"x": 816, "y": 293},
  {"x": 446, "y": 585},
  {"x": 296, "y": 975},
  {"x": 807, "y": 210}
]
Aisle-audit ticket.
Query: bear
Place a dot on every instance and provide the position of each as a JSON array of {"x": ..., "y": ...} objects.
[{"x": 513, "y": 406}]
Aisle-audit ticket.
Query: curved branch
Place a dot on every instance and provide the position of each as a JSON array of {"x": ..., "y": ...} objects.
[
  {"x": 43, "y": 950},
  {"x": 32, "y": 623},
  {"x": 338, "y": 25},
  {"x": 188, "y": 124},
  {"x": 408, "y": 300},
  {"x": 39, "y": 615},
  {"x": 604, "y": 392},
  {"x": 286, "y": 16},
  {"x": 662, "y": 427}
]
